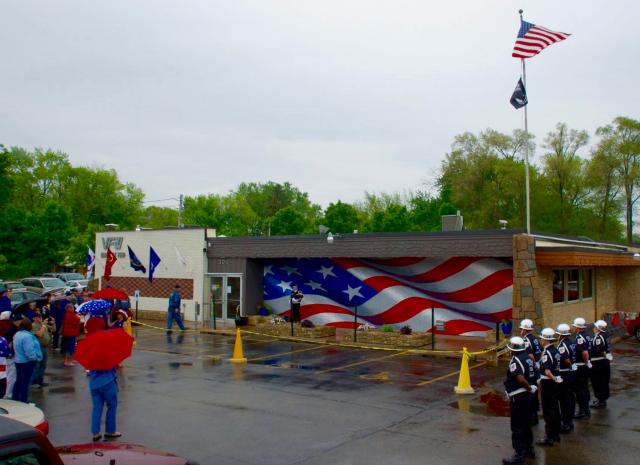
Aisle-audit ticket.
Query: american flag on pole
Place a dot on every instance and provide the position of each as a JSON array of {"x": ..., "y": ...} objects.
[
  {"x": 533, "y": 39},
  {"x": 470, "y": 294}
]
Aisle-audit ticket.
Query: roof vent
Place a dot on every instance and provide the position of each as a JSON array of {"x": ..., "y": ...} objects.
[{"x": 452, "y": 222}]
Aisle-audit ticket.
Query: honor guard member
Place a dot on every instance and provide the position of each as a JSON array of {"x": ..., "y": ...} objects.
[
  {"x": 583, "y": 364},
  {"x": 549, "y": 380},
  {"x": 566, "y": 398},
  {"x": 535, "y": 351},
  {"x": 601, "y": 370},
  {"x": 520, "y": 387}
]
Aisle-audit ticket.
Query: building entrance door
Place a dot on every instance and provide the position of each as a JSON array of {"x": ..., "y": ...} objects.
[{"x": 224, "y": 299}]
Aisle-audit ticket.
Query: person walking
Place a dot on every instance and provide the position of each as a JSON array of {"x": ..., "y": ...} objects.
[
  {"x": 43, "y": 332},
  {"x": 583, "y": 363},
  {"x": 549, "y": 379},
  {"x": 70, "y": 332},
  {"x": 535, "y": 352},
  {"x": 27, "y": 354},
  {"x": 566, "y": 398},
  {"x": 601, "y": 357},
  {"x": 520, "y": 387},
  {"x": 295, "y": 299},
  {"x": 173, "y": 312},
  {"x": 103, "y": 385}
]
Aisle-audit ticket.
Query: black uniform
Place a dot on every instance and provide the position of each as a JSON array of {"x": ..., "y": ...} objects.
[
  {"x": 520, "y": 400},
  {"x": 550, "y": 360},
  {"x": 295, "y": 300},
  {"x": 581, "y": 380},
  {"x": 601, "y": 370},
  {"x": 565, "y": 389},
  {"x": 535, "y": 350}
]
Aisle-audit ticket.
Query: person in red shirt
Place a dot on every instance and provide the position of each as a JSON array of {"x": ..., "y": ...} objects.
[
  {"x": 94, "y": 324},
  {"x": 70, "y": 332}
]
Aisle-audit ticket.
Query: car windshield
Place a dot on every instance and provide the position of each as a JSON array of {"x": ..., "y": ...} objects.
[
  {"x": 13, "y": 285},
  {"x": 53, "y": 282}
]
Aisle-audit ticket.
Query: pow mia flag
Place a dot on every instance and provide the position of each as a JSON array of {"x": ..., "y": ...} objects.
[{"x": 519, "y": 97}]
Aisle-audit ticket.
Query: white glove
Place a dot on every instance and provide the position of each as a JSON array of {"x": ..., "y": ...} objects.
[
  {"x": 534, "y": 388},
  {"x": 558, "y": 379},
  {"x": 609, "y": 357},
  {"x": 589, "y": 365},
  {"x": 537, "y": 366},
  {"x": 574, "y": 367}
]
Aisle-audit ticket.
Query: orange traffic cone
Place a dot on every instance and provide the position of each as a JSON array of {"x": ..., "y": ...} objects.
[{"x": 238, "y": 354}]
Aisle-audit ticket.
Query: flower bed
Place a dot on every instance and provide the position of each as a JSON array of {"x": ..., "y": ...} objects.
[
  {"x": 394, "y": 339},
  {"x": 285, "y": 330}
]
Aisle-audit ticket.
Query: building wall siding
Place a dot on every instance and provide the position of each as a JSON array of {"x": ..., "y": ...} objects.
[{"x": 627, "y": 289}]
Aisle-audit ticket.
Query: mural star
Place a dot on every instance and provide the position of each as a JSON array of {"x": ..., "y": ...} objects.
[
  {"x": 353, "y": 292},
  {"x": 285, "y": 286},
  {"x": 267, "y": 270},
  {"x": 315, "y": 286},
  {"x": 326, "y": 271},
  {"x": 291, "y": 270}
]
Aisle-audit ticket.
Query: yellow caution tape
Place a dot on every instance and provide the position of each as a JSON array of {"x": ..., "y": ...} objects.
[{"x": 162, "y": 329}]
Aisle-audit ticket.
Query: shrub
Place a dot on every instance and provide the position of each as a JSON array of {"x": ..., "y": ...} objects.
[
  {"x": 387, "y": 328},
  {"x": 307, "y": 324},
  {"x": 406, "y": 330}
]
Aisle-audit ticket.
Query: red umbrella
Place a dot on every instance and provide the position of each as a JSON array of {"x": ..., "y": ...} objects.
[
  {"x": 110, "y": 293},
  {"x": 104, "y": 350}
]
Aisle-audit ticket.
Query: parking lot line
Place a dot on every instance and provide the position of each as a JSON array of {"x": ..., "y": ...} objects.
[
  {"x": 439, "y": 378},
  {"x": 363, "y": 362},
  {"x": 288, "y": 353}
]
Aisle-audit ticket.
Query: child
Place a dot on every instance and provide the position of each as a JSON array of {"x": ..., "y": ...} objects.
[{"x": 70, "y": 334}]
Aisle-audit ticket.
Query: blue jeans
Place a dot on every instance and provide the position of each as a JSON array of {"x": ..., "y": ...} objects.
[
  {"x": 174, "y": 314},
  {"x": 41, "y": 366},
  {"x": 107, "y": 394},
  {"x": 24, "y": 373}
]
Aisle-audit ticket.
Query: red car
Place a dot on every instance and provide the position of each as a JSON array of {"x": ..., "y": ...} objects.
[
  {"x": 20, "y": 443},
  {"x": 633, "y": 326}
]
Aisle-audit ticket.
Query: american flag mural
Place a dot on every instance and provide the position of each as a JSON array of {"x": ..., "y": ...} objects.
[{"x": 469, "y": 293}]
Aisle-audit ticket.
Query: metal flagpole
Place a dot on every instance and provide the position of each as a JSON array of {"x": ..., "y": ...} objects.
[{"x": 526, "y": 147}]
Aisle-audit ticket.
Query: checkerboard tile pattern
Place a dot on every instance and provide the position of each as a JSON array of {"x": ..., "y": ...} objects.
[{"x": 160, "y": 288}]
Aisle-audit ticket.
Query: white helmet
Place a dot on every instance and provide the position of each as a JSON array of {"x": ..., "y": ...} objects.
[
  {"x": 526, "y": 324},
  {"x": 601, "y": 325},
  {"x": 516, "y": 344},
  {"x": 579, "y": 323},
  {"x": 548, "y": 334},
  {"x": 563, "y": 329}
]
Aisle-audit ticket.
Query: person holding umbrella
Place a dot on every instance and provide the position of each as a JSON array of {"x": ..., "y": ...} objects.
[{"x": 103, "y": 385}]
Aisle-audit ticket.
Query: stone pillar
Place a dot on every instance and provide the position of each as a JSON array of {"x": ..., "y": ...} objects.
[{"x": 526, "y": 290}]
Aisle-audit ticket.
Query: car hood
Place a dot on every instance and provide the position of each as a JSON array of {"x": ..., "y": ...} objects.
[
  {"x": 123, "y": 453},
  {"x": 25, "y": 413}
]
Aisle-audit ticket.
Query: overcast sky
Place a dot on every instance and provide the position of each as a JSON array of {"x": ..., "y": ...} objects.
[{"x": 336, "y": 97}]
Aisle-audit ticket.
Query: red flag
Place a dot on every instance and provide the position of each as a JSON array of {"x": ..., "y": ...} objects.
[{"x": 111, "y": 259}]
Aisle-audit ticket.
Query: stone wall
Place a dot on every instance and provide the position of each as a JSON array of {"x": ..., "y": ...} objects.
[{"x": 526, "y": 287}]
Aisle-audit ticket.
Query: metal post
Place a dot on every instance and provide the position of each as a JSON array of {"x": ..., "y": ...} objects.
[
  {"x": 213, "y": 311},
  {"x": 137, "y": 310},
  {"x": 526, "y": 146},
  {"x": 433, "y": 328},
  {"x": 497, "y": 332},
  {"x": 355, "y": 324},
  {"x": 291, "y": 320}
]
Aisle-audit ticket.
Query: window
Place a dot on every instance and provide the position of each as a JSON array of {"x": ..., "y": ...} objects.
[
  {"x": 24, "y": 458},
  {"x": 558, "y": 286},
  {"x": 587, "y": 283},
  {"x": 573, "y": 284}
]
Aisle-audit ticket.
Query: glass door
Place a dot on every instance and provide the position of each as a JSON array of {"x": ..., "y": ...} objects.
[
  {"x": 234, "y": 303},
  {"x": 224, "y": 299}
]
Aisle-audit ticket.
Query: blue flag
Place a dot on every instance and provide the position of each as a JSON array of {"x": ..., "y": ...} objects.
[
  {"x": 154, "y": 260},
  {"x": 135, "y": 263},
  {"x": 519, "y": 97}
]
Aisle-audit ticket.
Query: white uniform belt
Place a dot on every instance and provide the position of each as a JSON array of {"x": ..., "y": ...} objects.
[
  {"x": 580, "y": 364},
  {"x": 564, "y": 369},
  {"x": 517, "y": 391},
  {"x": 594, "y": 359},
  {"x": 546, "y": 377}
]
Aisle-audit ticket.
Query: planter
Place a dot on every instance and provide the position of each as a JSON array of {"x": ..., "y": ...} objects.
[
  {"x": 390, "y": 339},
  {"x": 242, "y": 321},
  {"x": 285, "y": 330},
  {"x": 255, "y": 320}
]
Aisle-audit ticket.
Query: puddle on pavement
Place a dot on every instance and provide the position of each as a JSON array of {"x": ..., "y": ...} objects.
[
  {"x": 493, "y": 404},
  {"x": 62, "y": 389},
  {"x": 180, "y": 364},
  {"x": 626, "y": 351}
]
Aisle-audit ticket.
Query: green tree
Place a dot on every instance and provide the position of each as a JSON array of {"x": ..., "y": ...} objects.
[
  {"x": 159, "y": 217},
  {"x": 341, "y": 217},
  {"x": 394, "y": 218},
  {"x": 287, "y": 221}
]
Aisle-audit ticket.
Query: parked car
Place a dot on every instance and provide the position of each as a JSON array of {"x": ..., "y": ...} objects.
[
  {"x": 79, "y": 285},
  {"x": 22, "y": 444},
  {"x": 43, "y": 284},
  {"x": 13, "y": 284},
  {"x": 66, "y": 277},
  {"x": 24, "y": 413},
  {"x": 633, "y": 326},
  {"x": 17, "y": 297}
]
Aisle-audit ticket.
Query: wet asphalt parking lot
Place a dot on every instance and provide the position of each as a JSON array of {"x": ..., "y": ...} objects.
[{"x": 300, "y": 403}]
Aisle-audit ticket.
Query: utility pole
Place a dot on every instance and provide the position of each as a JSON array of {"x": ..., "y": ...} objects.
[{"x": 180, "y": 208}]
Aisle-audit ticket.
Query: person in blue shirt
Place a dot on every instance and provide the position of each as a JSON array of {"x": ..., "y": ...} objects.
[
  {"x": 103, "y": 385},
  {"x": 173, "y": 312},
  {"x": 5, "y": 299},
  {"x": 27, "y": 354}
]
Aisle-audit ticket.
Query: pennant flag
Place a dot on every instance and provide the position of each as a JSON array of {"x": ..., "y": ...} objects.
[
  {"x": 533, "y": 39},
  {"x": 111, "y": 259},
  {"x": 91, "y": 259},
  {"x": 154, "y": 260},
  {"x": 519, "y": 97},
  {"x": 135, "y": 263}
]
